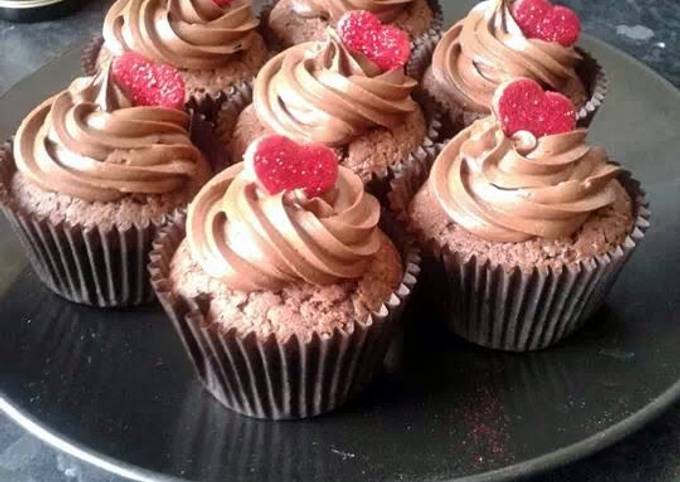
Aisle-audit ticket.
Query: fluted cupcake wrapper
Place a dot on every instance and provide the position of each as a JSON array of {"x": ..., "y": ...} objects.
[
  {"x": 423, "y": 46},
  {"x": 514, "y": 310},
  {"x": 226, "y": 106},
  {"x": 202, "y": 130},
  {"x": 90, "y": 54},
  {"x": 225, "y": 109},
  {"x": 273, "y": 379},
  {"x": 87, "y": 265},
  {"x": 273, "y": 42},
  {"x": 211, "y": 109},
  {"x": 596, "y": 82},
  {"x": 405, "y": 185}
]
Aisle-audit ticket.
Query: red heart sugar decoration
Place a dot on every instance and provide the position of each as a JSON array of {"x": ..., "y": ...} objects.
[
  {"x": 386, "y": 45},
  {"x": 542, "y": 20},
  {"x": 148, "y": 83},
  {"x": 281, "y": 164},
  {"x": 523, "y": 105},
  {"x": 223, "y": 3}
]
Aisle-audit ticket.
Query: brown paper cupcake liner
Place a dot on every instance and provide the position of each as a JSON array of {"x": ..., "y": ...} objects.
[
  {"x": 595, "y": 80},
  {"x": 268, "y": 378},
  {"x": 423, "y": 46},
  {"x": 404, "y": 186},
  {"x": 88, "y": 57},
  {"x": 211, "y": 110},
  {"x": 272, "y": 41},
  {"x": 226, "y": 109},
  {"x": 515, "y": 310},
  {"x": 203, "y": 130},
  {"x": 91, "y": 266}
]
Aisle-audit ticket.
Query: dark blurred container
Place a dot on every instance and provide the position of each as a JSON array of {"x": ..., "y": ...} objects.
[{"x": 36, "y": 10}]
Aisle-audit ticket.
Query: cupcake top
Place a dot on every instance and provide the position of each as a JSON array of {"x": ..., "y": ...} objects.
[
  {"x": 336, "y": 90},
  {"x": 504, "y": 39},
  {"x": 386, "y": 10},
  {"x": 187, "y": 34},
  {"x": 524, "y": 172},
  {"x": 91, "y": 142},
  {"x": 287, "y": 214}
]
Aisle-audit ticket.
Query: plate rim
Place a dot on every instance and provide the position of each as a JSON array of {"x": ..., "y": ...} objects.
[{"x": 530, "y": 467}]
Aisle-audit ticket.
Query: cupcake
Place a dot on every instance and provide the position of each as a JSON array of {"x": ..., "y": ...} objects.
[
  {"x": 503, "y": 39},
  {"x": 528, "y": 225},
  {"x": 297, "y": 21},
  {"x": 94, "y": 172},
  {"x": 213, "y": 43},
  {"x": 281, "y": 285},
  {"x": 345, "y": 93}
]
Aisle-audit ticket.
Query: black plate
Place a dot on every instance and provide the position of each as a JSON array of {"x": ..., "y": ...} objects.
[{"x": 115, "y": 389}]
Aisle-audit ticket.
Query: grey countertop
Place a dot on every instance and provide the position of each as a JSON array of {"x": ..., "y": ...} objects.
[{"x": 647, "y": 29}]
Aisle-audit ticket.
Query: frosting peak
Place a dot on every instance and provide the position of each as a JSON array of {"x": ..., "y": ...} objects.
[
  {"x": 320, "y": 92},
  {"x": 511, "y": 189},
  {"x": 487, "y": 48},
  {"x": 189, "y": 34},
  {"x": 386, "y": 10},
  {"x": 251, "y": 240},
  {"x": 90, "y": 142}
]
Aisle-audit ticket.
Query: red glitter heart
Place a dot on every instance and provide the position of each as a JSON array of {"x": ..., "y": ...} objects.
[
  {"x": 523, "y": 105},
  {"x": 148, "y": 83},
  {"x": 281, "y": 164},
  {"x": 386, "y": 45},
  {"x": 542, "y": 20}
]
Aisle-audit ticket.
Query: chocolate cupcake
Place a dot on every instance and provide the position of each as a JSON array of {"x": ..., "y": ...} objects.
[
  {"x": 503, "y": 39},
  {"x": 92, "y": 177},
  {"x": 282, "y": 287},
  {"x": 214, "y": 44},
  {"x": 331, "y": 93},
  {"x": 297, "y": 21},
  {"x": 529, "y": 225}
]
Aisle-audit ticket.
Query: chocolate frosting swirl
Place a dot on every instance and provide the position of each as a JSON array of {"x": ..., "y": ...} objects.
[
  {"x": 386, "y": 10},
  {"x": 251, "y": 240},
  {"x": 319, "y": 92},
  {"x": 511, "y": 189},
  {"x": 487, "y": 48},
  {"x": 188, "y": 34},
  {"x": 91, "y": 143}
]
